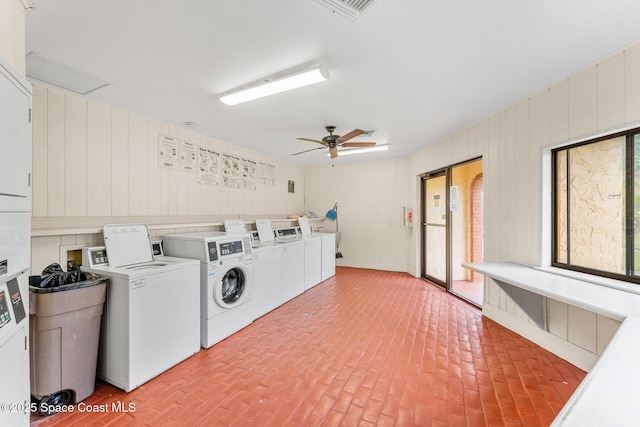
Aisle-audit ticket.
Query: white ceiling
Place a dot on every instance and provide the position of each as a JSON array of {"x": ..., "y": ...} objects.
[{"x": 415, "y": 71}]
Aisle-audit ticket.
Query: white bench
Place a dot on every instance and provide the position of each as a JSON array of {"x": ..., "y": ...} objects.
[{"x": 608, "y": 396}]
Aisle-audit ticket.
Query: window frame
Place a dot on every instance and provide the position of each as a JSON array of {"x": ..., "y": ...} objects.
[{"x": 628, "y": 207}]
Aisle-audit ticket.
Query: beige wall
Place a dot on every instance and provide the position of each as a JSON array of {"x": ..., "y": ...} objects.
[
  {"x": 94, "y": 164},
  {"x": 12, "y": 32},
  {"x": 370, "y": 198},
  {"x": 603, "y": 96}
]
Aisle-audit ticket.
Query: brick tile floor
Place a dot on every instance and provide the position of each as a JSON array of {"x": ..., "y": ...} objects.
[{"x": 364, "y": 348}]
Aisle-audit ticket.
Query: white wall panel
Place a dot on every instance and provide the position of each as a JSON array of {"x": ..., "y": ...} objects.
[
  {"x": 119, "y": 163},
  {"x": 98, "y": 160},
  {"x": 538, "y": 138},
  {"x": 75, "y": 161},
  {"x": 558, "y": 319},
  {"x": 582, "y": 328},
  {"x": 56, "y": 155},
  {"x": 632, "y": 84},
  {"x": 138, "y": 166},
  {"x": 40, "y": 152},
  {"x": 583, "y": 102},
  {"x": 154, "y": 173},
  {"x": 12, "y": 33},
  {"x": 611, "y": 92},
  {"x": 521, "y": 219},
  {"x": 559, "y": 112},
  {"x": 509, "y": 195}
]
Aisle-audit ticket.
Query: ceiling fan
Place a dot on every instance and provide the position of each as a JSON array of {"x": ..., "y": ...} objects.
[{"x": 332, "y": 141}]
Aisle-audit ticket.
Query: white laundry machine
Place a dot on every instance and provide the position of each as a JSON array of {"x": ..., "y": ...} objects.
[
  {"x": 150, "y": 318},
  {"x": 226, "y": 280},
  {"x": 14, "y": 353}
]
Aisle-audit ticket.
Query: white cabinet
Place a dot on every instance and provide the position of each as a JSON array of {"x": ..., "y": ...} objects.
[
  {"x": 293, "y": 270},
  {"x": 15, "y": 229},
  {"x": 312, "y": 262},
  {"x": 284, "y": 271},
  {"x": 267, "y": 279},
  {"x": 15, "y": 142},
  {"x": 328, "y": 256}
]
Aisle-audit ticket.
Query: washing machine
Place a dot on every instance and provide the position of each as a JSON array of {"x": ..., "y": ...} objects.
[
  {"x": 150, "y": 319},
  {"x": 226, "y": 280},
  {"x": 14, "y": 352}
]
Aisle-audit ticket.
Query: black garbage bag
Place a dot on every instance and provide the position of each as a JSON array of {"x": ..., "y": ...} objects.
[{"x": 53, "y": 276}]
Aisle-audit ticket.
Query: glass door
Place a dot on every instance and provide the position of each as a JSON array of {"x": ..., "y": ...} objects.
[
  {"x": 465, "y": 211},
  {"x": 434, "y": 227},
  {"x": 452, "y": 228}
]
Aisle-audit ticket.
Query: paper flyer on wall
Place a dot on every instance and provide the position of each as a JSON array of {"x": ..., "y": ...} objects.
[
  {"x": 167, "y": 152},
  {"x": 209, "y": 166},
  {"x": 188, "y": 156},
  {"x": 231, "y": 171},
  {"x": 249, "y": 174},
  {"x": 453, "y": 198},
  {"x": 266, "y": 174}
]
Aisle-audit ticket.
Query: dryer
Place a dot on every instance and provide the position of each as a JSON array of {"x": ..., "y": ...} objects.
[
  {"x": 150, "y": 318},
  {"x": 226, "y": 280}
]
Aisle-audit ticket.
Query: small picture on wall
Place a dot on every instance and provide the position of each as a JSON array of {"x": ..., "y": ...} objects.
[{"x": 292, "y": 186}]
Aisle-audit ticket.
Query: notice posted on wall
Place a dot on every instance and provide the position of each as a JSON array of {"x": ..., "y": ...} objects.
[
  {"x": 266, "y": 174},
  {"x": 209, "y": 166},
  {"x": 231, "y": 171},
  {"x": 453, "y": 198},
  {"x": 249, "y": 174},
  {"x": 167, "y": 152},
  {"x": 188, "y": 156}
]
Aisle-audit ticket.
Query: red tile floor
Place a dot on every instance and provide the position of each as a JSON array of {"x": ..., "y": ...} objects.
[{"x": 363, "y": 348}]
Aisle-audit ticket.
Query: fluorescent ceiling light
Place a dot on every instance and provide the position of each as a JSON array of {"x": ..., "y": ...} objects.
[
  {"x": 347, "y": 151},
  {"x": 273, "y": 85}
]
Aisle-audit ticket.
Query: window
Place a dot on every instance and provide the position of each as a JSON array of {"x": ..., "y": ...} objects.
[{"x": 596, "y": 206}]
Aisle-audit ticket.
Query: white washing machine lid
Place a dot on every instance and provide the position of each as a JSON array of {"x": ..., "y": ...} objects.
[
  {"x": 235, "y": 226},
  {"x": 159, "y": 266},
  {"x": 128, "y": 244}
]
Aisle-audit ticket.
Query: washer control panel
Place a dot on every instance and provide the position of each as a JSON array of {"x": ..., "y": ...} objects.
[
  {"x": 11, "y": 305},
  {"x": 94, "y": 256},
  {"x": 5, "y": 316}
]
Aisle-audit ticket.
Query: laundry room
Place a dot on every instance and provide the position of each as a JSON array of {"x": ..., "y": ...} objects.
[{"x": 294, "y": 257}]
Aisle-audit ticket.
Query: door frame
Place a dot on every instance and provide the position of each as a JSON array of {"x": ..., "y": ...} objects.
[
  {"x": 423, "y": 225},
  {"x": 447, "y": 172}
]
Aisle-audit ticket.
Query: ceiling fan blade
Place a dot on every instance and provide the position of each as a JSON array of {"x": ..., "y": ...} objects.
[
  {"x": 311, "y": 140},
  {"x": 306, "y": 151},
  {"x": 333, "y": 152},
  {"x": 358, "y": 144},
  {"x": 350, "y": 135}
]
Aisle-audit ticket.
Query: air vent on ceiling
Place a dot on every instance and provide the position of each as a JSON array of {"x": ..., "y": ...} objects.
[
  {"x": 54, "y": 73},
  {"x": 351, "y": 9}
]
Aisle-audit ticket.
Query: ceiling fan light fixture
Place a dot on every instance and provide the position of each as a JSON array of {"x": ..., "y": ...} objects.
[
  {"x": 272, "y": 85},
  {"x": 348, "y": 151}
]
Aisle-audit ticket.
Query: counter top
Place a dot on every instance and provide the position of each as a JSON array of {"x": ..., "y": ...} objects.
[{"x": 608, "y": 394}]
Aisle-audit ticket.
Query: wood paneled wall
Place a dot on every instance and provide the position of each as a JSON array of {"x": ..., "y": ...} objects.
[
  {"x": 601, "y": 97},
  {"x": 93, "y": 160},
  {"x": 12, "y": 33},
  {"x": 370, "y": 197},
  {"x": 94, "y": 164}
]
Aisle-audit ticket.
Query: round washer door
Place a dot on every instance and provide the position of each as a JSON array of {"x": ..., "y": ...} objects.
[{"x": 231, "y": 289}]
